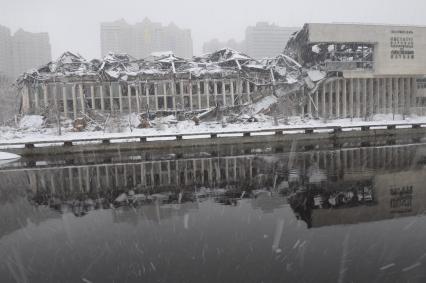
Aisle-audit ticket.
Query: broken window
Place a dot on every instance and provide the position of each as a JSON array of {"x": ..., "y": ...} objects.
[
  {"x": 160, "y": 102},
  {"x": 186, "y": 102},
  {"x": 151, "y": 89},
  {"x": 219, "y": 87},
  {"x": 211, "y": 87},
  {"x": 202, "y": 88},
  {"x": 169, "y": 102},
  {"x": 194, "y": 88},
  {"x": 178, "y": 88},
  {"x": 227, "y": 88}
]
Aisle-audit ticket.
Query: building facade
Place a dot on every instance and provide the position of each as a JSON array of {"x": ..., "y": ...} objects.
[
  {"x": 144, "y": 38},
  {"x": 267, "y": 40},
  {"x": 374, "y": 68}
]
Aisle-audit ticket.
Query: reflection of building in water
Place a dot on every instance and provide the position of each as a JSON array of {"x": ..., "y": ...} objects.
[
  {"x": 333, "y": 172},
  {"x": 256, "y": 171},
  {"x": 397, "y": 194}
]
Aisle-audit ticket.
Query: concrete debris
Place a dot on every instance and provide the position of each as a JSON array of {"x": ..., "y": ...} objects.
[
  {"x": 316, "y": 75},
  {"x": 196, "y": 120},
  {"x": 144, "y": 123},
  {"x": 79, "y": 125}
]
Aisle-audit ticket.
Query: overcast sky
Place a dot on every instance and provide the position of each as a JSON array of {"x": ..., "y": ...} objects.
[{"x": 75, "y": 24}]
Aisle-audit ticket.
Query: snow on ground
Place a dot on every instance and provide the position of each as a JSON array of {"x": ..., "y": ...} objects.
[
  {"x": 31, "y": 122},
  {"x": 28, "y": 134}
]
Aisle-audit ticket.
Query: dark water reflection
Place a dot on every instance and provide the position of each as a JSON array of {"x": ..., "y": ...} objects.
[{"x": 231, "y": 214}]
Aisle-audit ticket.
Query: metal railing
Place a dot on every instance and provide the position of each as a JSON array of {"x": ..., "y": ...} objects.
[{"x": 198, "y": 135}]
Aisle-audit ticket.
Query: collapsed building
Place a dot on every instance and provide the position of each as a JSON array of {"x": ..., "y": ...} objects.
[
  {"x": 122, "y": 84},
  {"x": 326, "y": 70}
]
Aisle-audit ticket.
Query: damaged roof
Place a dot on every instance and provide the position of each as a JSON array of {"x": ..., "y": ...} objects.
[{"x": 122, "y": 67}]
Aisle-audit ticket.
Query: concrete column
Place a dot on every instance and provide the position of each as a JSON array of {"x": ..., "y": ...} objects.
[
  {"x": 324, "y": 112},
  {"x": 173, "y": 88},
  {"x": 330, "y": 99},
  {"x": 248, "y": 92},
  {"x": 344, "y": 99},
  {"x": 376, "y": 108},
  {"x": 181, "y": 94},
  {"x": 36, "y": 101},
  {"x": 120, "y": 98},
  {"x": 396, "y": 95},
  {"x": 55, "y": 95},
  {"x": 111, "y": 97},
  {"x": 138, "y": 103},
  {"x": 64, "y": 97},
  {"x": 408, "y": 95},
  {"x": 82, "y": 98},
  {"x": 316, "y": 99},
  {"x": 302, "y": 107},
  {"x": 240, "y": 91},
  {"x": 309, "y": 103},
  {"x": 206, "y": 92},
  {"x": 45, "y": 98},
  {"x": 92, "y": 94},
  {"x": 223, "y": 92},
  {"x": 351, "y": 98},
  {"x": 364, "y": 97},
  {"x": 388, "y": 96},
  {"x": 164, "y": 84},
  {"x": 101, "y": 92},
  {"x": 383, "y": 88},
  {"x": 232, "y": 92},
  {"x": 25, "y": 99},
  {"x": 190, "y": 94},
  {"x": 338, "y": 98},
  {"x": 74, "y": 101},
  {"x": 129, "y": 96},
  {"x": 413, "y": 92},
  {"x": 156, "y": 95},
  {"x": 215, "y": 90},
  {"x": 199, "y": 94},
  {"x": 403, "y": 93},
  {"x": 358, "y": 98},
  {"x": 371, "y": 97}
]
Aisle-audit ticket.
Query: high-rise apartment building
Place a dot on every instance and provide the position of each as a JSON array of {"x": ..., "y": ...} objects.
[
  {"x": 22, "y": 51},
  {"x": 5, "y": 52},
  {"x": 267, "y": 40},
  {"x": 143, "y": 38},
  {"x": 30, "y": 50}
]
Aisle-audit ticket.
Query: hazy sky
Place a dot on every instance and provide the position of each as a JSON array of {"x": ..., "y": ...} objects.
[{"x": 75, "y": 24}]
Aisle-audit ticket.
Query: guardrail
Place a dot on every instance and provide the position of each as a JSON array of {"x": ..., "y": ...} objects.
[{"x": 243, "y": 133}]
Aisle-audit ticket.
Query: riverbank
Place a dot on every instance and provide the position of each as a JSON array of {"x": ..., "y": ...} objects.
[{"x": 31, "y": 133}]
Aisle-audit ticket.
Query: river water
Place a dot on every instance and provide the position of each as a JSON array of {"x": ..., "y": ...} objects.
[{"x": 258, "y": 213}]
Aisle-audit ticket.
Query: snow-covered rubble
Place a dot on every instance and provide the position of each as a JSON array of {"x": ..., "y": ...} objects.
[{"x": 32, "y": 122}]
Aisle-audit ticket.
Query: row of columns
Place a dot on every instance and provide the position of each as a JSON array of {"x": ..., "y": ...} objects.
[
  {"x": 71, "y": 99},
  {"x": 362, "y": 97}
]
